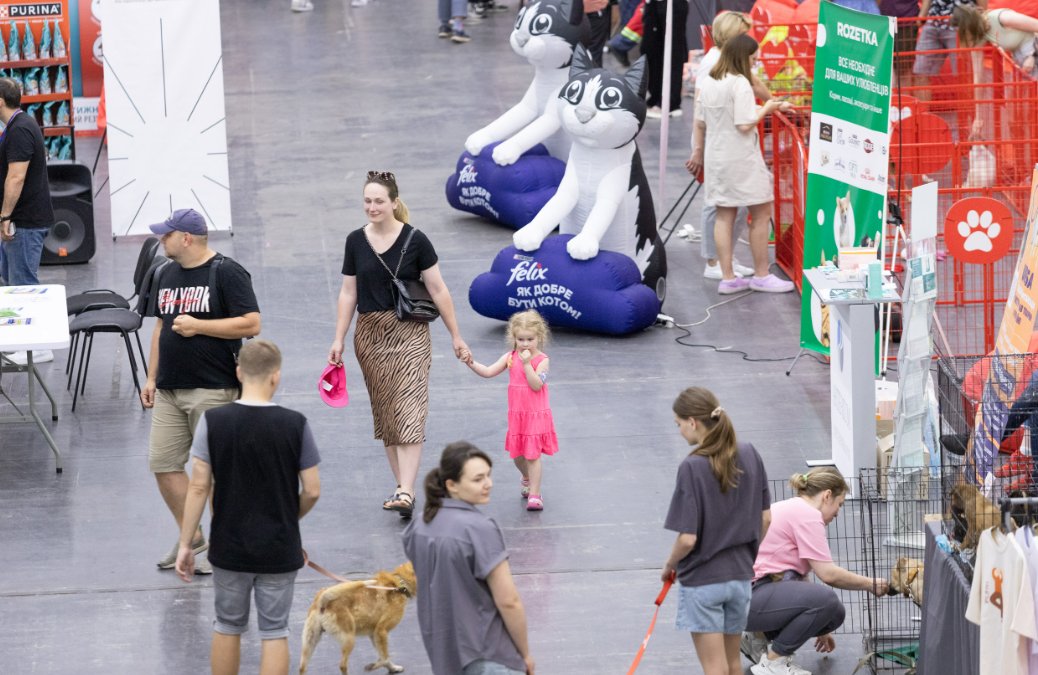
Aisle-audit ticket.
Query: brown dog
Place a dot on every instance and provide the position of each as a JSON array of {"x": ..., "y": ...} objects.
[{"x": 356, "y": 608}]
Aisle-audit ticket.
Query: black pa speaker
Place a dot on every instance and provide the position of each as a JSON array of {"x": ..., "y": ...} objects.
[{"x": 71, "y": 240}]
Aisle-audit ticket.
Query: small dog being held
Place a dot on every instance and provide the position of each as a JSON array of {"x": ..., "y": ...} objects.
[{"x": 360, "y": 608}]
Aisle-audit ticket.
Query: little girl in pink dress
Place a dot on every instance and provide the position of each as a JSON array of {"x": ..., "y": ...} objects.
[{"x": 531, "y": 431}]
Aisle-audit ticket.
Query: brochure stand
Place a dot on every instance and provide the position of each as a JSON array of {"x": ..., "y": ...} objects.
[
  {"x": 852, "y": 373},
  {"x": 907, "y": 479}
]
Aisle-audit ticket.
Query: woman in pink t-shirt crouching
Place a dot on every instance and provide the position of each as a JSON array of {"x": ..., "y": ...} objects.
[{"x": 786, "y": 610}]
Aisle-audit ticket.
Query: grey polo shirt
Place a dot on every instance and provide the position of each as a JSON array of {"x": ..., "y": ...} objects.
[{"x": 452, "y": 557}]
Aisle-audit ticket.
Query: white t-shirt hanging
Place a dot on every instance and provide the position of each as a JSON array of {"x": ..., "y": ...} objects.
[
  {"x": 1028, "y": 542},
  {"x": 1002, "y": 604}
]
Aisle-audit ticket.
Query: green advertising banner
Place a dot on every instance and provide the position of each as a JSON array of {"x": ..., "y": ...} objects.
[{"x": 849, "y": 146}]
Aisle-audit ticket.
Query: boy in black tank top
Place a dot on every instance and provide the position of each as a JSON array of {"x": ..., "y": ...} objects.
[{"x": 255, "y": 453}]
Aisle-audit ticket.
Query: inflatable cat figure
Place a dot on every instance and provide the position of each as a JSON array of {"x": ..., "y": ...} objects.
[
  {"x": 546, "y": 32},
  {"x": 604, "y": 197}
]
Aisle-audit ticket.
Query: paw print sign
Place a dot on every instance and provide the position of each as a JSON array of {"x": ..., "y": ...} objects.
[{"x": 978, "y": 230}]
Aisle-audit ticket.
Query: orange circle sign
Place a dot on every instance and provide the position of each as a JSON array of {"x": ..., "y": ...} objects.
[{"x": 978, "y": 230}]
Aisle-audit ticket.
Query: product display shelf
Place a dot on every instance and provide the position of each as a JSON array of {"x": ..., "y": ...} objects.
[{"x": 27, "y": 100}]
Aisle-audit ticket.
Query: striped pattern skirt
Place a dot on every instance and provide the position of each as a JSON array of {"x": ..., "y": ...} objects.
[{"x": 395, "y": 357}]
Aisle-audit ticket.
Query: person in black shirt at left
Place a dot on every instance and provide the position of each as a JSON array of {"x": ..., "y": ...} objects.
[{"x": 26, "y": 215}]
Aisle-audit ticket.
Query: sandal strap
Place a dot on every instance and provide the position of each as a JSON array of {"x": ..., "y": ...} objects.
[{"x": 404, "y": 497}]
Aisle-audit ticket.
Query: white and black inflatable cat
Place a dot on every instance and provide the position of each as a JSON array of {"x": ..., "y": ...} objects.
[
  {"x": 604, "y": 197},
  {"x": 545, "y": 34}
]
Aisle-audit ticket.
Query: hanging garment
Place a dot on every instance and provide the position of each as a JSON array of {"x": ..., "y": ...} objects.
[
  {"x": 1028, "y": 542},
  {"x": 1002, "y": 604}
]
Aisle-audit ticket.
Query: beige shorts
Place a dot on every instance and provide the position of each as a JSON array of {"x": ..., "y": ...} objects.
[{"x": 173, "y": 422}]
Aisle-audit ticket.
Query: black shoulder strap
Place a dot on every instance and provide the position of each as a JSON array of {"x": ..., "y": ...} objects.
[
  {"x": 216, "y": 308},
  {"x": 148, "y": 298}
]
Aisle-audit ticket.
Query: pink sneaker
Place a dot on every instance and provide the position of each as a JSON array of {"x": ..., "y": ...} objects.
[
  {"x": 524, "y": 484},
  {"x": 729, "y": 286},
  {"x": 534, "y": 503},
  {"x": 770, "y": 284}
]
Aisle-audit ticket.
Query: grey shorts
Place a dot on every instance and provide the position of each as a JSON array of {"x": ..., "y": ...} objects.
[
  {"x": 234, "y": 590},
  {"x": 482, "y": 667},
  {"x": 714, "y": 608},
  {"x": 933, "y": 37}
]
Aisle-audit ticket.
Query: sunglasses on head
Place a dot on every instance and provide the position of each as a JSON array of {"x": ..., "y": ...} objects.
[{"x": 381, "y": 175}]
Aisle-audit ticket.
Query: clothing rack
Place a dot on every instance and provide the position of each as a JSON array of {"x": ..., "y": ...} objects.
[{"x": 1006, "y": 504}]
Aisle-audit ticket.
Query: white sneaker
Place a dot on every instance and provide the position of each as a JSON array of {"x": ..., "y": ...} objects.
[
  {"x": 203, "y": 566},
  {"x": 302, "y": 6},
  {"x": 797, "y": 670},
  {"x": 38, "y": 356},
  {"x": 753, "y": 647},
  {"x": 715, "y": 271},
  {"x": 741, "y": 270},
  {"x": 780, "y": 666}
]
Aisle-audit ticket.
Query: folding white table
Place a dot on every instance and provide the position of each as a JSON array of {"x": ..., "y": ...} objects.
[{"x": 32, "y": 317}]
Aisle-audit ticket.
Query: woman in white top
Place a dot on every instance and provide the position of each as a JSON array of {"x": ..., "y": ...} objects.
[
  {"x": 732, "y": 161},
  {"x": 726, "y": 25},
  {"x": 1012, "y": 31}
]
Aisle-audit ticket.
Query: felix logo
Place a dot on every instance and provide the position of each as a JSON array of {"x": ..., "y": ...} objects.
[
  {"x": 527, "y": 271},
  {"x": 467, "y": 175}
]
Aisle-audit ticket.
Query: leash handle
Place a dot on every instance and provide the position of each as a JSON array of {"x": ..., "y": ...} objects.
[
  {"x": 666, "y": 588},
  {"x": 659, "y": 601}
]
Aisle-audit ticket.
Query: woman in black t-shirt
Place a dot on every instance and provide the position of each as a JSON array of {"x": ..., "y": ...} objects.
[{"x": 395, "y": 356}]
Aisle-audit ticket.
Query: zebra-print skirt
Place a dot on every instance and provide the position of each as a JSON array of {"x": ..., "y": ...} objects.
[{"x": 395, "y": 357}]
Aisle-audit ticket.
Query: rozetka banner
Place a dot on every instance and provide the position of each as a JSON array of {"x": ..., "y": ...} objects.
[{"x": 848, "y": 160}]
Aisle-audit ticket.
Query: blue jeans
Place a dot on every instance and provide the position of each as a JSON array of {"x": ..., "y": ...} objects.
[
  {"x": 20, "y": 259},
  {"x": 451, "y": 8}
]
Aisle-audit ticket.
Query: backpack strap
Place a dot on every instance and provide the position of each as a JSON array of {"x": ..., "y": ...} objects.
[{"x": 216, "y": 306}]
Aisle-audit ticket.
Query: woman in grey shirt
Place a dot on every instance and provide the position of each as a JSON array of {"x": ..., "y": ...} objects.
[
  {"x": 472, "y": 620},
  {"x": 720, "y": 509}
]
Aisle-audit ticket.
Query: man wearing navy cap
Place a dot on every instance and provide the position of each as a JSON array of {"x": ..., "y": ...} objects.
[{"x": 205, "y": 305}]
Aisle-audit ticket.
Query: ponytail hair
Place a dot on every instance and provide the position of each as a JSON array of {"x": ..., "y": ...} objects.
[
  {"x": 401, "y": 213},
  {"x": 719, "y": 444},
  {"x": 452, "y": 465},
  {"x": 818, "y": 480},
  {"x": 388, "y": 181}
]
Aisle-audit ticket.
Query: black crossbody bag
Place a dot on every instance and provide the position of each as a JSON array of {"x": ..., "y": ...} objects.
[{"x": 411, "y": 298}]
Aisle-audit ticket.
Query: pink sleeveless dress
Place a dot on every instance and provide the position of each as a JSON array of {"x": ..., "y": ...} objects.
[{"x": 531, "y": 431}]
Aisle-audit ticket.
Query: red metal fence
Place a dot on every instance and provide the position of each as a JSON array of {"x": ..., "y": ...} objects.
[{"x": 933, "y": 138}]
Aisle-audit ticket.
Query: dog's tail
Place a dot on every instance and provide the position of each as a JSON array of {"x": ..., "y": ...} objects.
[{"x": 336, "y": 592}]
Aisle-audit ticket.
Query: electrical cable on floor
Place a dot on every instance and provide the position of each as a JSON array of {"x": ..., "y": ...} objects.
[{"x": 726, "y": 350}]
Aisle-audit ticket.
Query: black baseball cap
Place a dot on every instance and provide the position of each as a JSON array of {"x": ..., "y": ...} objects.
[{"x": 182, "y": 220}]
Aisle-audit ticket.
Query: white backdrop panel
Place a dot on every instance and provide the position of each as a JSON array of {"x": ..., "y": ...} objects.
[{"x": 167, "y": 138}]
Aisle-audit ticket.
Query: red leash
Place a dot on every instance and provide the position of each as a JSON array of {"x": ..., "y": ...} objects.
[
  {"x": 336, "y": 577},
  {"x": 659, "y": 601}
]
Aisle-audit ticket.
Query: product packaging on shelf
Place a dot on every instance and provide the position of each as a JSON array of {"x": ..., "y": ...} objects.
[
  {"x": 14, "y": 44},
  {"x": 61, "y": 82},
  {"x": 28, "y": 43},
  {"x": 45, "y": 87},
  {"x": 3, "y": 49},
  {"x": 32, "y": 111},
  {"x": 45, "y": 41},
  {"x": 63, "y": 118},
  {"x": 31, "y": 82},
  {"x": 64, "y": 147},
  {"x": 58, "y": 42},
  {"x": 50, "y": 113}
]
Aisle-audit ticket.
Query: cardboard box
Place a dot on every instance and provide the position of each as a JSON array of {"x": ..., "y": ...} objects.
[{"x": 850, "y": 258}]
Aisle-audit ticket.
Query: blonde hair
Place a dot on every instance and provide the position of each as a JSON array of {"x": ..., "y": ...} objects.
[
  {"x": 818, "y": 480},
  {"x": 259, "y": 359},
  {"x": 388, "y": 181},
  {"x": 727, "y": 25},
  {"x": 719, "y": 445},
  {"x": 530, "y": 320}
]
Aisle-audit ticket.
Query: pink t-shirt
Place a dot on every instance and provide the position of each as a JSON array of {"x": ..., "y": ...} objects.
[{"x": 796, "y": 536}]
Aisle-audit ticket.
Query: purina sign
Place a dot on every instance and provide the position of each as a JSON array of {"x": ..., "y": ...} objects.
[{"x": 30, "y": 11}]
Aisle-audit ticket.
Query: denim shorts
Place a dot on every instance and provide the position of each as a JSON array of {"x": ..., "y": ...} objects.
[
  {"x": 714, "y": 608},
  {"x": 234, "y": 592},
  {"x": 934, "y": 37},
  {"x": 482, "y": 667}
]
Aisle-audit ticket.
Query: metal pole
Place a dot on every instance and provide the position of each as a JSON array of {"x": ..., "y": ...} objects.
[{"x": 668, "y": 41}]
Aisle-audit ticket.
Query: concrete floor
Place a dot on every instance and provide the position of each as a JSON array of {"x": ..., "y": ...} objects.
[{"x": 313, "y": 102}]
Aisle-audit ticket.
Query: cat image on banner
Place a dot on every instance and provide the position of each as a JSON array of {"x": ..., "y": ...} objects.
[{"x": 1000, "y": 389}]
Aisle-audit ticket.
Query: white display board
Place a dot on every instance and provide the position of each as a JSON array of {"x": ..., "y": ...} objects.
[{"x": 167, "y": 139}]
